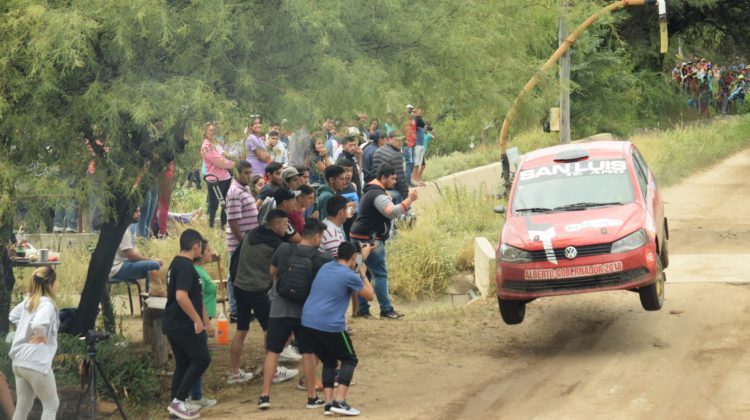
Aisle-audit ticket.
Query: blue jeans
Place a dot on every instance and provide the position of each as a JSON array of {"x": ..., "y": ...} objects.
[
  {"x": 408, "y": 153},
  {"x": 134, "y": 270},
  {"x": 376, "y": 266},
  {"x": 66, "y": 216},
  {"x": 230, "y": 288},
  {"x": 197, "y": 392},
  {"x": 150, "y": 200}
]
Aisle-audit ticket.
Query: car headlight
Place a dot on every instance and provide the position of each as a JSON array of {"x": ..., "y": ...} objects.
[
  {"x": 512, "y": 254},
  {"x": 633, "y": 241}
]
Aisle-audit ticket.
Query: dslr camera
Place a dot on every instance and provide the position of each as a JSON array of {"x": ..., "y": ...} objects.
[{"x": 93, "y": 336}]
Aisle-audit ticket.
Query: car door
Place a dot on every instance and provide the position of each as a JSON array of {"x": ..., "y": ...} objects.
[{"x": 654, "y": 203}]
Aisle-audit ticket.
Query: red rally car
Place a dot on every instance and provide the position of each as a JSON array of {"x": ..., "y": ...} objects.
[{"x": 581, "y": 218}]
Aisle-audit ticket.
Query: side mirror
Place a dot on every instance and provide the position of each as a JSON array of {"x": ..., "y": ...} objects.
[{"x": 500, "y": 209}]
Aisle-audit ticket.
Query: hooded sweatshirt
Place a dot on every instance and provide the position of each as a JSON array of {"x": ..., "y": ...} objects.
[
  {"x": 324, "y": 194},
  {"x": 255, "y": 260},
  {"x": 43, "y": 320}
]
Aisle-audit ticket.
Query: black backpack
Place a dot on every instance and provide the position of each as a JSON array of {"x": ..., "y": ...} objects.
[{"x": 295, "y": 276}]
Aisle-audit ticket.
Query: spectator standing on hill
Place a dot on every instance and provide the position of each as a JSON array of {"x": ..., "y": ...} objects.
[
  {"x": 410, "y": 130},
  {"x": 390, "y": 124},
  {"x": 242, "y": 217},
  {"x": 301, "y": 261},
  {"x": 255, "y": 147},
  {"x": 276, "y": 149},
  {"x": 34, "y": 346},
  {"x": 305, "y": 200},
  {"x": 376, "y": 211},
  {"x": 334, "y": 235},
  {"x": 304, "y": 174},
  {"x": 274, "y": 181},
  {"x": 317, "y": 159},
  {"x": 286, "y": 201},
  {"x": 290, "y": 178},
  {"x": 350, "y": 152},
  {"x": 218, "y": 165},
  {"x": 335, "y": 183},
  {"x": 390, "y": 154},
  {"x": 368, "y": 151},
  {"x": 419, "y": 148},
  {"x": 251, "y": 288},
  {"x": 185, "y": 323},
  {"x": 350, "y": 193},
  {"x": 323, "y": 315}
]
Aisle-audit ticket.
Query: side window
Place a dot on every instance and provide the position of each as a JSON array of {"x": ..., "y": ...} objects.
[{"x": 642, "y": 175}]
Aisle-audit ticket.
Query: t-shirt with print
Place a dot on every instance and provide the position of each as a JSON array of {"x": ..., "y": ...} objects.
[
  {"x": 325, "y": 308},
  {"x": 241, "y": 207},
  {"x": 332, "y": 237},
  {"x": 120, "y": 258},
  {"x": 252, "y": 144},
  {"x": 282, "y": 307},
  {"x": 181, "y": 276}
]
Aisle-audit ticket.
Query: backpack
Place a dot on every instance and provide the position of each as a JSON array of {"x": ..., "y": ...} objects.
[{"x": 295, "y": 277}]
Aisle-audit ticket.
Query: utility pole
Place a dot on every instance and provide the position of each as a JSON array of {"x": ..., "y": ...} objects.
[{"x": 564, "y": 78}]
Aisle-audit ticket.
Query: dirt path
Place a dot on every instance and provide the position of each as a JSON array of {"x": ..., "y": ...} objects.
[{"x": 586, "y": 356}]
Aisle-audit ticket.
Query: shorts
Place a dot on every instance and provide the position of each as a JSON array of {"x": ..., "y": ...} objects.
[
  {"x": 279, "y": 330},
  {"x": 419, "y": 155},
  {"x": 251, "y": 304},
  {"x": 332, "y": 347}
]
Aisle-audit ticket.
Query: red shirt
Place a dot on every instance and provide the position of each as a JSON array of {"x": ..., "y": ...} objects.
[
  {"x": 297, "y": 220},
  {"x": 411, "y": 133}
]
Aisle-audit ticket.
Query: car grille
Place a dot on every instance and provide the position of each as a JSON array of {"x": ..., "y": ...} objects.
[
  {"x": 581, "y": 283},
  {"x": 583, "y": 251}
]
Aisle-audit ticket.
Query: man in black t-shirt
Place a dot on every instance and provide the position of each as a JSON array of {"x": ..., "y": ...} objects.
[{"x": 185, "y": 323}]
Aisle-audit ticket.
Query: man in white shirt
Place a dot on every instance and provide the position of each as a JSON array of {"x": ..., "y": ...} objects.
[
  {"x": 129, "y": 264},
  {"x": 333, "y": 236}
]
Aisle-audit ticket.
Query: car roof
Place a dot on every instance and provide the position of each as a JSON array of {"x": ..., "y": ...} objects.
[{"x": 611, "y": 149}]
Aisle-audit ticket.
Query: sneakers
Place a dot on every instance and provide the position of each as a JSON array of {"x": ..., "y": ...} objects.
[
  {"x": 315, "y": 402},
  {"x": 179, "y": 409},
  {"x": 195, "y": 405},
  {"x": 392, "y": 314},
  {"x": 341, "y": 407},
  {"x": 58, "y": 230},
  {"x": 289, "y": 354},
  {"x": 365, "y": 315},
  {"x": 239, "y": 377},
  {"x": 302, "y": 385},
  {"x": 284, "y": 374},
  {"x": 264, "y": 402}
]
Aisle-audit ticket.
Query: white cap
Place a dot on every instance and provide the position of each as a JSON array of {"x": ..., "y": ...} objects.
[{"x": 409, "y": 106}]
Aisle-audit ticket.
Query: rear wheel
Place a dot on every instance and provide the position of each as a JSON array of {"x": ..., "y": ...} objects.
[
  {"x": 652, "y": 296},
  {"x": 512, "y": 311}
]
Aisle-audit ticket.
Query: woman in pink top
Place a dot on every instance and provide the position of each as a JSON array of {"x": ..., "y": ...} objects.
[{"x": 219, "y": 166}]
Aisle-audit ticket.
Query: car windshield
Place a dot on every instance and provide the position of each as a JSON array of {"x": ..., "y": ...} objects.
[{"x": 573, "y": 186}]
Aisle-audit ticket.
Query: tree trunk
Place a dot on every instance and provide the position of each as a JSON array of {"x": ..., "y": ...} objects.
[
  {"x": 7, "y": 278},
  {"x": 97, "y": 276}
]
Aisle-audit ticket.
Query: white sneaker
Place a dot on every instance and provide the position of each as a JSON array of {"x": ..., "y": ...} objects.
[
  {"x": 239, "y": 377},
  {"x": 284, "y": 374},
  {"x": 204, "y": 402},
  {"x": 191, "y": 406},
  {"x": 289, "y": 355}
]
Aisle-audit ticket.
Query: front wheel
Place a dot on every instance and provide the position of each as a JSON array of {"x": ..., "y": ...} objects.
[
  {"x": 652, "y": 296},
  {"x": 512, "y": 311}
]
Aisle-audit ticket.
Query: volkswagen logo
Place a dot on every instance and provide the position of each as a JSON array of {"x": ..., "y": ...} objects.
[{"x": 571, "y": 252}]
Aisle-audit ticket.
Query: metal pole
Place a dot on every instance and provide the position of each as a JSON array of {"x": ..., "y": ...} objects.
[{"x": 564, "y": 77}]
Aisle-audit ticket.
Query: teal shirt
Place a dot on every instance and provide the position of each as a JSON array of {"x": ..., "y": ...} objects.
[
  {"x": 427, "y": 140},
  {"x": 209, "y": 291}
]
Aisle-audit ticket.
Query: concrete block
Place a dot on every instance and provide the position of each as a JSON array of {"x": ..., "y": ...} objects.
[{"x": 484, "y": 265}]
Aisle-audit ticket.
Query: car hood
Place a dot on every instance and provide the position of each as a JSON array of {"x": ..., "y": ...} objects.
[{"x": 585, "y": 227}]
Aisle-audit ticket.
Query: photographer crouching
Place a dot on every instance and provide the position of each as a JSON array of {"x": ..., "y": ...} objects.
[{"x": 376, "y": 211}]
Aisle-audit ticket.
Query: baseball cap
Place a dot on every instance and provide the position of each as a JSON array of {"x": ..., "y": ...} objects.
[
  {"x": 289, "y": 172},
  {"x": 283, "y": 194},
  {"x": 353, "y": 131},
  {"x": 409, "y": 106}
]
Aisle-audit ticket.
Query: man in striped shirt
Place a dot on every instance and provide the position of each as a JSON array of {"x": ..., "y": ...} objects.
[
  {"x": 242, "y": 217},
  {"x": 333, "y": 236}
]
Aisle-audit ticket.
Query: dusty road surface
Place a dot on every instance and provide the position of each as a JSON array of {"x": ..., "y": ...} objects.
[{"x": 577, "y": 357}]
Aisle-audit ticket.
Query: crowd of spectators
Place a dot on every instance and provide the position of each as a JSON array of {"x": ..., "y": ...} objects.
[{"x": 710, "y": 85}]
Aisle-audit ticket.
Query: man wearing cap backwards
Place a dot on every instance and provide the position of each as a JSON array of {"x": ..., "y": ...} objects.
[
  {"x": 242, "y": 217},
  {"x": 291, "y": 178}
]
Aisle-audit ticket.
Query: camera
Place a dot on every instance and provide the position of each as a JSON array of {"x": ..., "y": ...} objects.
[{"x": 93, "y": 336}]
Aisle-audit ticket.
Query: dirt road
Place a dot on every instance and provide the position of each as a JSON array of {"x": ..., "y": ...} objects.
[{"x": 578, "y": 357}]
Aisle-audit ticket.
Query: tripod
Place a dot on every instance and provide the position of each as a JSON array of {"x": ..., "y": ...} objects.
[{"x": 89, "y": 367}]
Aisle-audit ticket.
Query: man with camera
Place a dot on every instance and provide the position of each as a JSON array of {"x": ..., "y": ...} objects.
[{"x": 376, "y": 210}]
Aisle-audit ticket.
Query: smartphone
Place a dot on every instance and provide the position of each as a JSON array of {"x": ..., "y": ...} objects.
[{"x": 359, "y": 260}]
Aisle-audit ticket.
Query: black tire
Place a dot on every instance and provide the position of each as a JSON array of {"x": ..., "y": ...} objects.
[
  {"x": 652, "y": 296},
  {"x": 512, "y": 311},
  {"x": 664, "y": 253}
]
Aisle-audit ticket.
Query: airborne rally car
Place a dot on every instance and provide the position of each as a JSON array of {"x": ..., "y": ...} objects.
[{"x": 581, "y": 218}]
